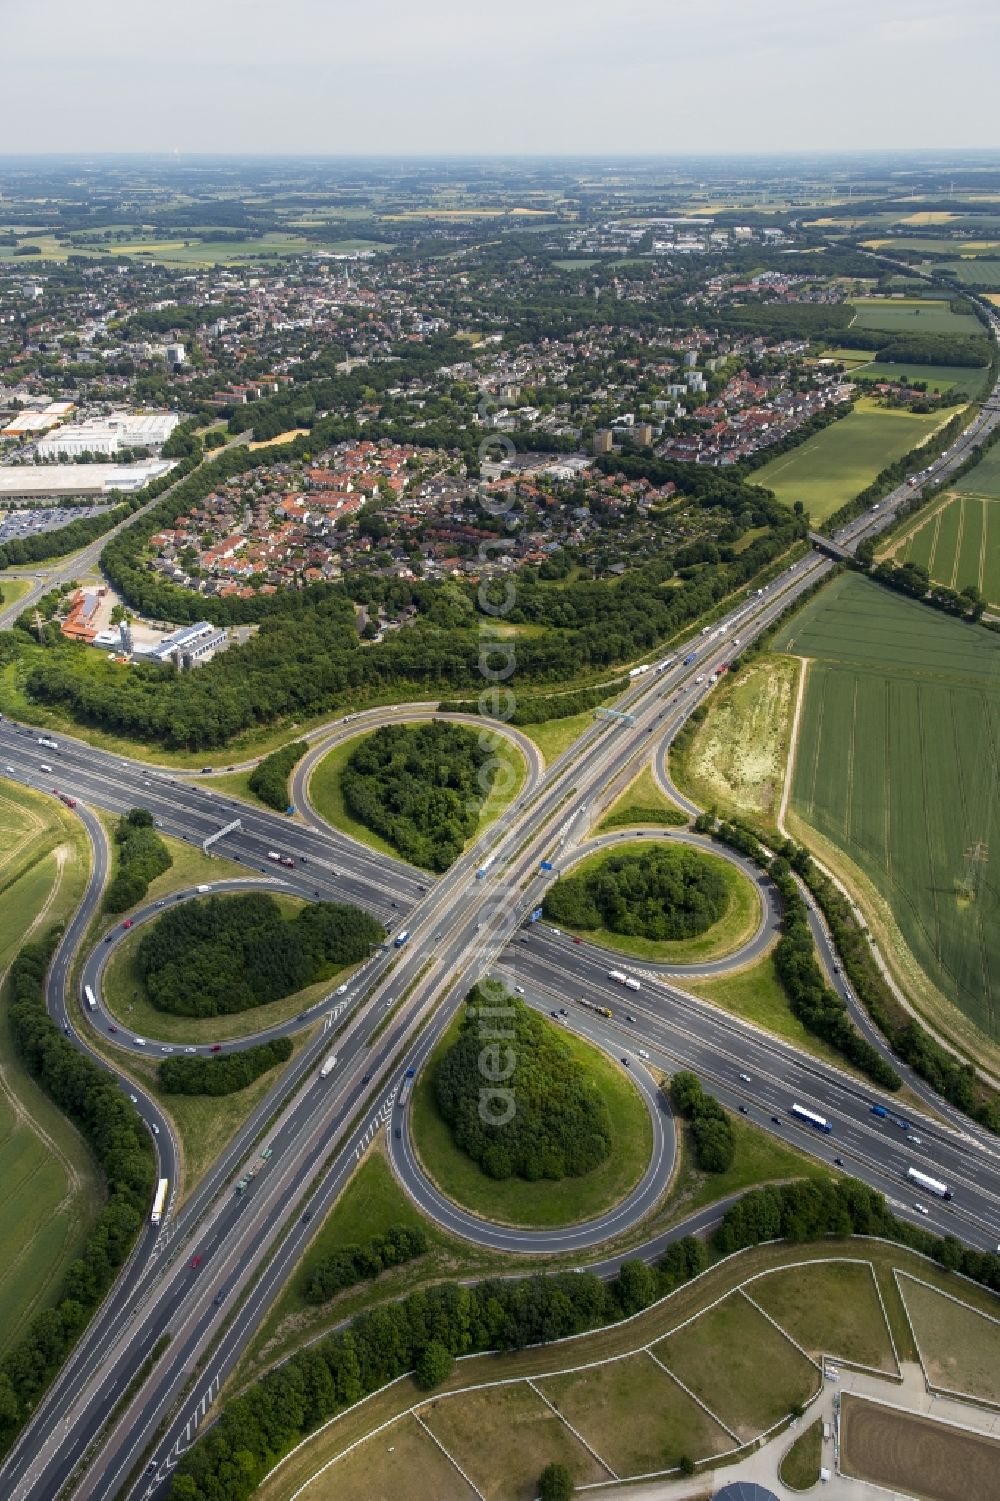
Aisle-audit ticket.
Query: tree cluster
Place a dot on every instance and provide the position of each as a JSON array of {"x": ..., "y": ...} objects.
[
  {"x": 711, "y": 1128},
  {"x": 420, "y": 787},
  {"x": 424, "y": 1332},
  {"x": 269, "y": 778},
  {"x": 350, "y": 1264},
  {"x": 665, "y": 892},
  {"x": 224, "y": 1073},
  {"x": 226, "y": 954},
  {"x": 560, "y": 1127},
  {"x": 142, "y": 856},
  {"x": 88, "y": 1095}
]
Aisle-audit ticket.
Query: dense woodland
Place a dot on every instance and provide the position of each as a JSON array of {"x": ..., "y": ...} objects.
[
  {"x": 142, "y": 856},
  {"x": 224, "y": 1073},
  {"x": 350, "y": 1264},
  {"x": 89, "y": 1095},
  {"x": 665, "y": 892},
  {"x": 269, "y": 778},
  {"x": 711, "y": 1128},
  {"x": 420, "y": 787},
  {"x": 224, "y": 954},
  {"x": 561, "y": 1127}
]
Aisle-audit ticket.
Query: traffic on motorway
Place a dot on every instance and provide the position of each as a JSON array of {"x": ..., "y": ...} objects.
[{"x": 206, "y": 1273}]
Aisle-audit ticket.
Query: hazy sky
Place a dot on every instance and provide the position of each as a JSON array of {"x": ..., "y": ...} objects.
[{"x": 461, "y": 76}]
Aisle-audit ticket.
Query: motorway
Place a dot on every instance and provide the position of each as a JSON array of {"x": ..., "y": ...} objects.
[{"x": 92, "y": 1425}]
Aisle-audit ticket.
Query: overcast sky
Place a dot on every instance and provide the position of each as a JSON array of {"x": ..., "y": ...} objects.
[{"x": 463, "y": 76}]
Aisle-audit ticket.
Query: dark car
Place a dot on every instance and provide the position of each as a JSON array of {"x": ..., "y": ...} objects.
[
  {"x": 216, "y": 1047},
  {"x": 838, "y": 1161},
  {"x": 218, "y": 1298},
  {"x": 398, "y": 1133},
  {"x": 108, "y": 937},
  {"x": 112, "y": 1027},
  {"x": 775, "y": 1121},
  {"x": 366, "y": 1078},
  {"x": 625, "y": 1062},
  {"x": 743, "y": 1110},
  {"x": 307, "y": 1217}
]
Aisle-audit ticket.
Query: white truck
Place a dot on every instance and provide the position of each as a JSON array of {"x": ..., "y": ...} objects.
[
  {"x": 617, "y": 975},
  {"x": 273, "y": 855},
  {"x": 328, "y": 1065},
  {"x": 632, "y": 983}
]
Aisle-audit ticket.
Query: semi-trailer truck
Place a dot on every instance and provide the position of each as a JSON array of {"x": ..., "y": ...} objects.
[{"x": 159, "y": 1202}]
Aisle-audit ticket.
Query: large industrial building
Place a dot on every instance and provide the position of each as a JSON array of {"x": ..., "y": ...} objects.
[
  {"x": 108, "y": 435},
  {"x": 41, "y": 482}
]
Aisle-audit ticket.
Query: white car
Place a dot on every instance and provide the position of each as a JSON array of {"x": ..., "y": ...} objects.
[
  {"x": 154, "y": 1128},
  {"x": 165, "y": 1049},
  {"x": 341, "y": 989},
  {"x": 921, "y": 1208},
  {"x": 643, "y": 1054},
  {"x": 140, "y": 1042},
  {"x": 190, "y": 1050},
  {"x": 134, "y": 1098},
  {"x": 746, "y": 1078},
  {"x": 519, "y": 989}
]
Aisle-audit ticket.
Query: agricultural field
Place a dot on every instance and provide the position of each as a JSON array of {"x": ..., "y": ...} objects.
[
  {"x": 959, "y": 1346},
  {"x": 983, "y": 272},
  {"x": 983, "y": 478},
  {"x": 896, "y": 768},
  {"x": 911, "y": 315},
  {"x": 51, "y": 1186},
  {"x": 829, "y": 470},
  {"x": 958, "y": 541},
  {"x": 913, "y": 1455},
  {"x": 960, "y": 380}
]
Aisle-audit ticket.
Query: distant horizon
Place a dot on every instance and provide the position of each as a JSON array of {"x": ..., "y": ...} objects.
[{"x": 323, "y": 76}]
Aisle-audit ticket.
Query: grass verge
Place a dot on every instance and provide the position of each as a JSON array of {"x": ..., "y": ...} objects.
[{"x": 799, "y": 1469}]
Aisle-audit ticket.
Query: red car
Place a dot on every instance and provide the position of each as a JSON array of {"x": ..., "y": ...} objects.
[
  {"x": 194, "y": 1263},
  {"x": 216, "y": 1047},
  {"x": 112, "y": 1028},
  {"x": 127, "y": 923},
  {"x": 577, "y": 940}
]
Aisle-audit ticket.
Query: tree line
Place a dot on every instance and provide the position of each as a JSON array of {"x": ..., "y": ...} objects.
[
  {"x": 226, "y": 954},
  {"x": 561, "y": 1127},
  {"x": 421, "y": 787},
  {"x": 665, "y": 893},
  {"x": 142, "y": 856},
  {"x": 89, "y": 1096},
  {"x": 258, "y": 1428},
  {"x": 350, "y": 1264},
  {"x": 441, "y": 1322},
  {"x": 820, "y": 1010},
  {"x": 225, "y": 1073},
  {"x": 711, "y": 1127},
  {"x": 269, "y": 778}
]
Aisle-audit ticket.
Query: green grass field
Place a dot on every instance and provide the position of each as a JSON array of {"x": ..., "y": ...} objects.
[
  {"x": 829, "y": 470},
  {"x": 567, "y": 1201},
  {"x": 641, "y": 802},
  {"x": 982, "y": 273},
  {"x": 634, "y": 1416},
  {"x": 12, "y": 589},
  {"x": 963, "y": 380},
  {"x": 800, "y": 1467},
  {"x": 958, "y": 542},
  {"x": 52, "y": 1188},
  {"x": 897, "y": 768},
  {"x": 740, "y": 1362},
  {"x": 905, "y": 315},
  {"x": 735, "y": 927},
  {"x": 959, "y": 1348},
  {"x": 721, "y": 1358},
  {"x": 983, "y": 478},
  {"x": 829, "y": 1309}
]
